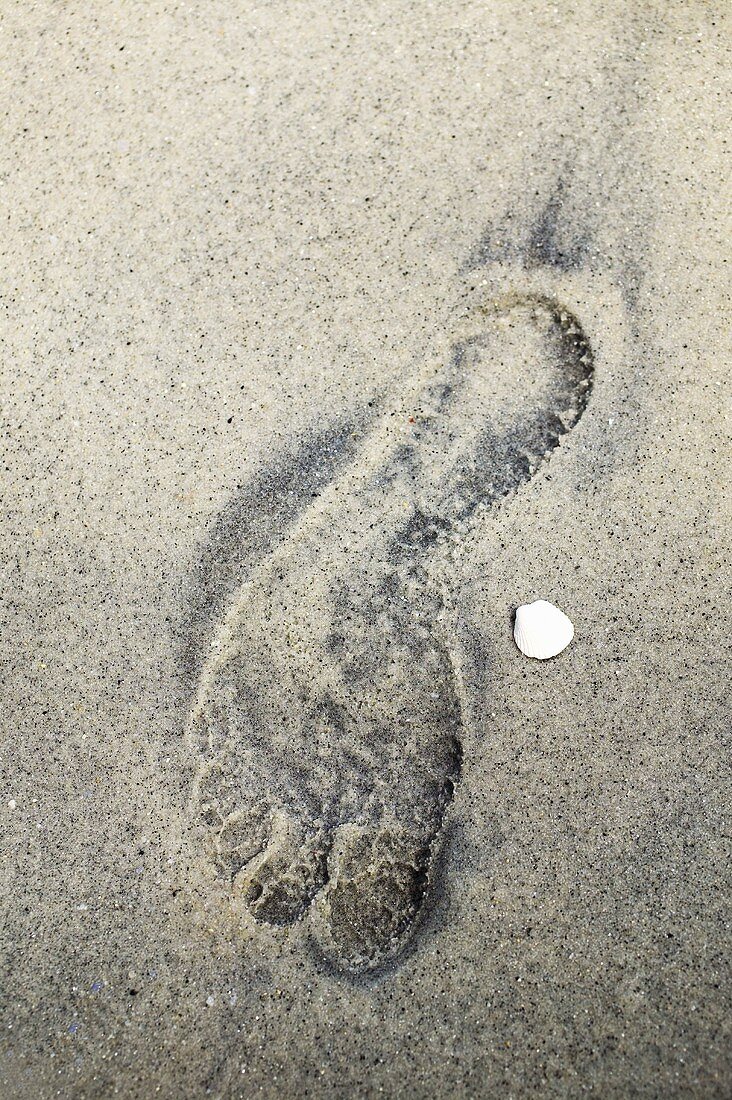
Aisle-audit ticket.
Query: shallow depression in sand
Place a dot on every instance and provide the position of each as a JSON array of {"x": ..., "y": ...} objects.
[{"x": 328, "y": 712}]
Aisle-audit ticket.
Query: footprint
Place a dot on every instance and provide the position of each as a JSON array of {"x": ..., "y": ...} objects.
[{"x": 328, "y": 712}]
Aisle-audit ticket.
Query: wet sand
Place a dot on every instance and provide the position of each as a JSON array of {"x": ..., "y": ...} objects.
[{"x": 229, "y": 234}]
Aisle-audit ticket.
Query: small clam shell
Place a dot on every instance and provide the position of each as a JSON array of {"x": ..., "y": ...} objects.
[{"x": 541, "y": 630}]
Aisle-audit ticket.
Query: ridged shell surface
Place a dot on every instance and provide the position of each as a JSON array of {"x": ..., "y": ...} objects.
[{"x": 541, "y": 630}]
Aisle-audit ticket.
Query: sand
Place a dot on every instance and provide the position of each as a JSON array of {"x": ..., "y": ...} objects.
[{"x": 234, "y": 236}]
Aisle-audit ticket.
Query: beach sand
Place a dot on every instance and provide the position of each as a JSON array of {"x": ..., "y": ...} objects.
[{"x": 235, "y": 235}]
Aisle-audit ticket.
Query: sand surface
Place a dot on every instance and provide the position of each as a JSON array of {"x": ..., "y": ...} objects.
[{"x": 237, "y": 235}]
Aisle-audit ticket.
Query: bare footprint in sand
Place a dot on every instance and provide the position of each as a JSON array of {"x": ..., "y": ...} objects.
[{"x": 328, "y": 709}]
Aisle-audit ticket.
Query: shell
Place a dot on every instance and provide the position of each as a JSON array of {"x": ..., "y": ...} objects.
[{"x": 541, "y": 630}]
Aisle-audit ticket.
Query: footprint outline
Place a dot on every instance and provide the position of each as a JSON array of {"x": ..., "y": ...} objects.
[{"x": 351, "y": 951}]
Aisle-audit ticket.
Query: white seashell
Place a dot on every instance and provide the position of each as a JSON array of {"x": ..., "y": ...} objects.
[{"x": 541, "y": 630}]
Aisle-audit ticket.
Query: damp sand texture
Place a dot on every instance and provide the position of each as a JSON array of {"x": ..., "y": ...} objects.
[{"x": 330, "y": 337}]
